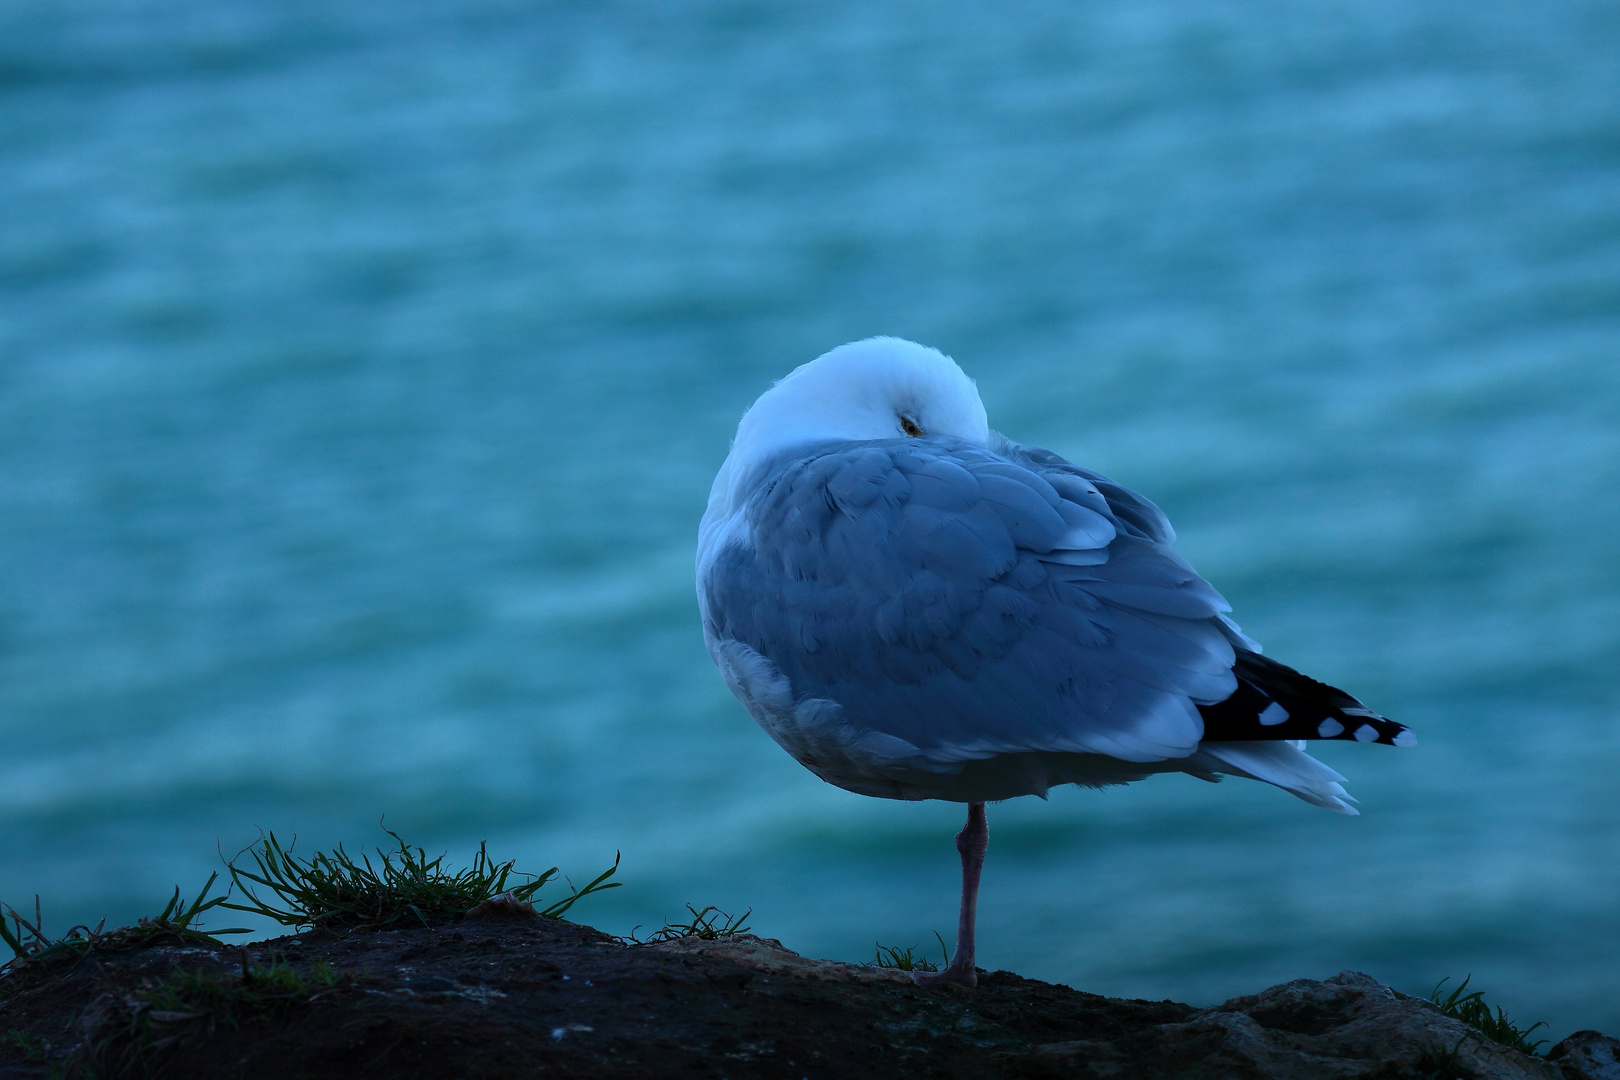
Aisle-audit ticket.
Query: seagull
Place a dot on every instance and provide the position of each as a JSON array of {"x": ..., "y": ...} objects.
[{"x": 916, "y": 607}]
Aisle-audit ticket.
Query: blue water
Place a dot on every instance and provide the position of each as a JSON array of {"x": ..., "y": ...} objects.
[{"x": 363, "y": 369}]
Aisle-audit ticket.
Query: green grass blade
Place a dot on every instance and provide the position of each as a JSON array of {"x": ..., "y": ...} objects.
[{"x": 555, "y": 911}]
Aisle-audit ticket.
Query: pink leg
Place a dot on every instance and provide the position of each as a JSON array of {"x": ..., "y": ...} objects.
[{"x": 971, "y": 842}]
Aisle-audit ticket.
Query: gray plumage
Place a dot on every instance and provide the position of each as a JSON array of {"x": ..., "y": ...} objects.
[{"x": 958, "y": 616}]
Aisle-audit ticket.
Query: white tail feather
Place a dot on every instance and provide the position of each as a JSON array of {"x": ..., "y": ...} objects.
[{"x": 1281, "y": 763}]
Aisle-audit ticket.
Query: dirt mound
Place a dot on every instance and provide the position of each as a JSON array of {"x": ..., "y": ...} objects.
[{"x": 512, "y": 995}]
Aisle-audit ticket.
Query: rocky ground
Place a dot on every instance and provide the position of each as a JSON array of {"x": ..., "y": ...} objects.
[{"x": 519, "y": 996}]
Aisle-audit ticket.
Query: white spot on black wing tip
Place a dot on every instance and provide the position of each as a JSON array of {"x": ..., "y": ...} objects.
[
  {"x": 1366, "y": 733},
  {"x": 1407, "y": 737},
  {"x": 1329, "y": 728},
  {"x": 1272, "y": 715}
]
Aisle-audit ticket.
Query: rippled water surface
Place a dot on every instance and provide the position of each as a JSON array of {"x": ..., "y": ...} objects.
[{"x": 363, "y": 370}]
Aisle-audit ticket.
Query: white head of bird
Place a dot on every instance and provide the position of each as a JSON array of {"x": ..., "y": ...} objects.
[{"x": 880, "y": 388}]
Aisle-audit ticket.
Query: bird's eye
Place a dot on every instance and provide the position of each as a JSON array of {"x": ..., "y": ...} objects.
[{"x": 909, "y": 426}]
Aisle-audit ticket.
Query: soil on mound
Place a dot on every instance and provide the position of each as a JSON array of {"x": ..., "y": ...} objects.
[{"x": 521, "y": 997}]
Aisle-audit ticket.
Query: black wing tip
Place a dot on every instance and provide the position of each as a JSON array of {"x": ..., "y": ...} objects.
[
  {"x": 1225, "y": 725},
  {"x": 1275, "y": 702},
  {"x": 1368, "y": 729}
]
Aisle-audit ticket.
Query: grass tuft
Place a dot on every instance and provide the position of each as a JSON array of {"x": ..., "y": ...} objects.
[
  {"x": 892, "y": 956},
  {"x": 333, "y": 890},
  {"x": 30, "y": 1046},
  {"x": 179, "y": 921},
  {"x": 710, "y": 924},
  {"x": 129, "y": 1033},
  {"x": 256, "y": 992},
  {"x": 1469, "y": 1007},
  {"x": 37, "y": 1051}
]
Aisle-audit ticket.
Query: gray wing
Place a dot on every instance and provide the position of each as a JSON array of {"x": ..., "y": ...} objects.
[{"x": 975, "y": 602}]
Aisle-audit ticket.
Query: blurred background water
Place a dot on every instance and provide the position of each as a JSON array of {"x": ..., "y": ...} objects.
[{"x": 363, "y": 369}]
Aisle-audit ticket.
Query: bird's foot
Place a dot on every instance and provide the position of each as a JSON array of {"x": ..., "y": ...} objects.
[{"x": 965, "y": 977}]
